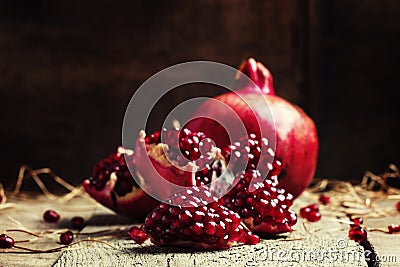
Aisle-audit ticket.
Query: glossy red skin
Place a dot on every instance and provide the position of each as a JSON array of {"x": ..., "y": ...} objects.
[{"x": 296, "y": 134}]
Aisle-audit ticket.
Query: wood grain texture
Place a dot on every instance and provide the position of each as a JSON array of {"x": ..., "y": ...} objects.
[{"x": 311, "y": 250}]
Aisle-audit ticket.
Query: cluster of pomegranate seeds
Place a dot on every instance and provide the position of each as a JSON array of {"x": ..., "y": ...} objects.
[
  {"x": 66, "y": 238},
  {"x": 250, "y": 149},
  {"x": 137, "y": 234},
  {"x": 186, "y": 141},
  {"x": 114, "y": 163},
  {"x": 77, "y": 223},
  {"x": 324, "y": 199},
  {"x": 6, "y": 241},
  {"x": 198, "y": 221},
  {"x": 51, "y": 216},
  {"x": 394, "y": 228},
  {"x": 264, "y": 210},
  {"x": 310, "y": 213},
  {"x": 185, "y": 145}
]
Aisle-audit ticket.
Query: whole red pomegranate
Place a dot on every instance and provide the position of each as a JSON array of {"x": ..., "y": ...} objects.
[{"x": 296, "y": 135}]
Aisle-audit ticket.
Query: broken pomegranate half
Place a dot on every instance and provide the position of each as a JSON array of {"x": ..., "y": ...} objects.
[
  {"x": 113, "y": 186},
  {"x": 178, "y": 156}
]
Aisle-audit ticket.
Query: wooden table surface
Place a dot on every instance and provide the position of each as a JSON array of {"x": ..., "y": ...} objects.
[{"x": 324, "y": 243}]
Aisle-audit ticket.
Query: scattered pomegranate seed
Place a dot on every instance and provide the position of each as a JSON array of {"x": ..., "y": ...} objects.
[
  {"x": 356, "y": 222},
  {"x": 357, "y": 234},
  {"x": 66, "y": 238},
  {"x": 324, "y": 199},
  {"x": 6, "y": 241},
  {"x": 137, "y": 234},
  {"x": 51, "y": 216},
  {"x": 310, "y": 213},
  {"x": 313, "y": 216},
  {"x": 398, "y": 206},
  {"x": 394, "y": 228},
  {"x": 77, "y": 223}
]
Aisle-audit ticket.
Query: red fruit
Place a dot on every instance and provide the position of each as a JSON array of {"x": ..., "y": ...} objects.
[
  {"x": 6, "y": 241},
  {"x": 357, "y": 234},
  {"x": 184, "y": 158},
  {"x": 199, "y": 221},
  {"x": 113, "y": 186},
  {"x": 324, "y": 199},
  {"x": 264, "y": 210},
  {"x": 394, "y": 228},
  {"x": 313, "y": 216},
  {"x": 356, "y": 222},
  {"x": 296, "y": 135},
  {"x": 51, "y": 216},
  {"x": 66, "y": 238},
  {"x": 310, "y": 213},
  {"x": 398, "y": 206},
  {"x": 137, "y": 234},
  {"x": 77, "y": 223}
]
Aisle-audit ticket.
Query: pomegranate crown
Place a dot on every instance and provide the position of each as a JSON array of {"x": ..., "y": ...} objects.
[{"x": 259, "y": 74}]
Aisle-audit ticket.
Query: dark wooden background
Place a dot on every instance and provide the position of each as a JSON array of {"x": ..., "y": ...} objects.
[{"x": 69, "y": 68}]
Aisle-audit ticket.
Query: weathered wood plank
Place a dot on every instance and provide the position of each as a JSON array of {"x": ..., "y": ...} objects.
[{"x": 317, "y": 241}]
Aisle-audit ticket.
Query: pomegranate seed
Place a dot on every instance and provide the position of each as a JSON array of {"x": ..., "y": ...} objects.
[
  {"x": 51, "y": 216},
  {"x": 252, "y": 239},
  {"x": 137, "y": 235},
  {"x": 6, "y": 241},
  {"x": 66, "y": 238},
  {"x": 77, "y": 223},
  {"x": 394, "y": 228},
  {"x": 356, "y": 222},
  {"x": 357, "y": 234},
  {"x": 313, "y": 216},
  {"x": 324, "y": 199},
  {"x": 310, "y": 213},
  {"x": 398, "y": 206}
]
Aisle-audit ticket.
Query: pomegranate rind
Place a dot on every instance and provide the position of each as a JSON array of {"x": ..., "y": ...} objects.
[{"x": 135, "y": 204}]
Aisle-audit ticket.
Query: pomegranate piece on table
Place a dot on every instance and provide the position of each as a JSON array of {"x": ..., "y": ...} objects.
[
  {"x": 77, "y": 223},
  {"x": 324, "y": 199},
  {"x": 357, "y": 221},
  {"x": 310, "y": 213},
  {"x": 66, "y": 238},
  {"x": 137, "y": 234},
  {"x": 51, "y": 216},
  {"x": 6, "y": 241},
  {"x": 296, "y": 142},
  {"x": 199, "y": 221},
  {"x": 113, "y": 186},
  {"x": 264, "y": 210},
  {"x": 357, "y": 233},
  {"x": 394, "y": 228}
]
